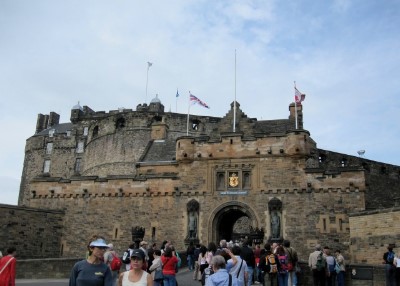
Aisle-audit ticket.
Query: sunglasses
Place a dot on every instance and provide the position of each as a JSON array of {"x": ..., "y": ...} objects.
[{"x": 101, "y": 247}]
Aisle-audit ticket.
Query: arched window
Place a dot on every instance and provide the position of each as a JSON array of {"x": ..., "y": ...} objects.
[
  {"x": 120, "y": 123},
  {"x": 95, "y": 131}
]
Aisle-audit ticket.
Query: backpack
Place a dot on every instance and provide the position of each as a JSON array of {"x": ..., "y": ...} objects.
[
  {"x": 126, "y": 257},
  {"x": 116, "y": 263},
  {"x": 273, "y": 267},
  {"x": 283, "y": 261},
  {"x": 390, "y": 257},
  {"x": 320, "y": 262}
]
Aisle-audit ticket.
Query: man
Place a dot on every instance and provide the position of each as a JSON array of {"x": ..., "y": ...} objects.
[
  {"x": 317, "y": 263},
  {"x": 108, "y": 257},
  {"x": 292, "y": 259},
  {"x": 143, "y": 247},
  {"x": 7, "y": 267},
  {"x": 248, "y": 255},
  {"x": 388, "y": 258},
  {"x": 221, "y": 277},
  {"x": 238, "y": 270}
]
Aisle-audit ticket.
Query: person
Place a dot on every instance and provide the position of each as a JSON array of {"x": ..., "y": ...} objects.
[
  {"x": 330, "y": 273},
  {"x": 7, "y": 267},
  {"x": 315, "y": 259},
  {"x": 221, "y": 276},
  {"x": 136, "y": 276},
  {"x": 268, "y": 262},
  {"x": 275, "y": 225},
  {"x": 257, "y": 255},
  {"x": 128, "y": 253},
  {"x": 283, "y": 272},
  {"x": 92, "y": 271},
  {"x": 388, "y": 258},
  {"x": 239, "y": 269},
  {"x": 190, "y": 256},
  {"x": 196, "y": 272},
  {"x": 143, "y": 247},
  {"x": 1, "y": 255},
  {"x": 396, "y": 263},
  {"x": 156, "y": 266},
  {"x": 340, "y": 260},
  {"x": 169, "y": 261},
  {"x": 292, "y": 260},
  {"x": 108, "y": 257},
  {"x": 248, "y": 255}
]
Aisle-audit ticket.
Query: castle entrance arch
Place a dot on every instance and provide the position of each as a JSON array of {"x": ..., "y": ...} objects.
[{"x": 232, "y": 221}]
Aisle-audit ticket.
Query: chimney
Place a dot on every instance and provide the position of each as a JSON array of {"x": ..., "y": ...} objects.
[{"x": 54, "y": 119}]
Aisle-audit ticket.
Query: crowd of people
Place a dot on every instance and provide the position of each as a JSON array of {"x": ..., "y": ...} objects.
[{"x": 226, "y": 264}]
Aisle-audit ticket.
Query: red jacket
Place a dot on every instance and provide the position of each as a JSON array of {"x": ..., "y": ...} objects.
[
  {"x": 169, "y": 264},
  {"x": 7, "y": 276}
]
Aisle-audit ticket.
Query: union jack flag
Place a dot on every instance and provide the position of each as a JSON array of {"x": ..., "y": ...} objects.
[{"x": 194, "y": 100}]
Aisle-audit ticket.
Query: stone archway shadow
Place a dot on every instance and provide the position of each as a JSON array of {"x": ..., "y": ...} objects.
[{"x": 222, "y": 219}]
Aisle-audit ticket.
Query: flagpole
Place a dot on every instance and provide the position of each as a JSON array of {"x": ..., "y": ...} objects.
[
  {"x": 295, "y": 104},
  {"x": 234, "y": 103},
  {"x": 187, "y": 121}
]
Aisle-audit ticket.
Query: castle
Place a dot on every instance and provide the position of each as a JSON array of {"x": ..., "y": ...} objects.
[{"x": 153, "y": 175}]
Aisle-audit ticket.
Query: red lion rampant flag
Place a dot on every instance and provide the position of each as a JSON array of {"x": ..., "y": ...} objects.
[{"x": 298, "y": 96}]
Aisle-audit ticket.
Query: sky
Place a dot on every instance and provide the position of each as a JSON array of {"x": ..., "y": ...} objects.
[{"x": 343, "y": 54}]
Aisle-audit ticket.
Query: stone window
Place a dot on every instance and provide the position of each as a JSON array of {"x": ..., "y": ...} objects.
[
  {"x": 220, "y": 181},
  {"x": 80, "y": 147},
  {"x": 246, "y": 180},
  {"x": 49, "y": 148},
  {"x": 120, "y": 123},
  {"x": 77, "y": 167},
  {"x": 85, "y": 131},
  {"x": 46, "y": 166},
  {"x": 95, "y": 131},
  {"x": 68, "y": 133},
  {"x": 51, "y": 132},
  {"x": 195, "y": 124},
  {"x": 321, "y": 158},
  {"x": 343, "y": 162}
]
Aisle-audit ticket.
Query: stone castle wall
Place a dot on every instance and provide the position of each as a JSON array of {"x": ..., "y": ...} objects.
[
  {"x": 371, "y": 233},
  {"x": 35, "y": 233}
]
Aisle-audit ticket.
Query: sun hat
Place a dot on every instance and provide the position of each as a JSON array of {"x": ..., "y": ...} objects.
[{"x": 98, "y": 243}]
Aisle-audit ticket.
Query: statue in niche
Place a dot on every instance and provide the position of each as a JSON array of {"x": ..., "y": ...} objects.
[
  {"x": 192, "y": 209},
  {"x": 275, "y": 225},
  {"x": 192, "y": 225}
]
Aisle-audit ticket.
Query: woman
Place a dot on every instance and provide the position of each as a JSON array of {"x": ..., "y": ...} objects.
[
  {"x": 396, "y": 262},
  {"x": 136, "y": 276},
  {"x": 283, "y": 274},
  {"x": 169, "y": 261},
  {"x": 331, "y": 273},
  {"x": 156, "y": 266},
  {"x": 7, "y": 267},
  {"x": 92, "y": 271},
  {"x": 202, "y": 261}
]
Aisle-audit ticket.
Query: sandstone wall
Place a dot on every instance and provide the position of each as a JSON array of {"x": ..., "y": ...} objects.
[{"x": 371, "y": 233}]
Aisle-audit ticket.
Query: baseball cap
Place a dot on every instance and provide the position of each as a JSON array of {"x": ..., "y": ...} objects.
[{"x": 138, "y": 253}]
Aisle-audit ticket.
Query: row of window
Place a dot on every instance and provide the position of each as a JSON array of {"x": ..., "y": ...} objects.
[
  {"x": 79, "y": 147},
  {"x": 77, "y": 167}
]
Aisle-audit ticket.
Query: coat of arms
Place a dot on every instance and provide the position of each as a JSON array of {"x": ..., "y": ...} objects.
[{"x": 233, "y": 180}]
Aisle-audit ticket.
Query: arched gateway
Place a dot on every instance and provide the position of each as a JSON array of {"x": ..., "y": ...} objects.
[{"x": 231, "y": 221}]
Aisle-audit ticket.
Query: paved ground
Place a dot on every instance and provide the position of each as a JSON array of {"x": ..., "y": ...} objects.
[{"x": 184, "y": 278}]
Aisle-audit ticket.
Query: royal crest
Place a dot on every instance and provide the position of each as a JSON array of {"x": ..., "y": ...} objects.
[{"x": 233, "y": 180}]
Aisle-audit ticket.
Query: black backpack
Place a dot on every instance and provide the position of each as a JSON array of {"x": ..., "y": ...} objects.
[{"x": 126, "y": 257}]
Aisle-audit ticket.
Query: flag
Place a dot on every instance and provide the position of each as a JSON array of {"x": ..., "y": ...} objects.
[
  {"x": 194, "y": 100},
  {"x": 298, "y": 96},
  {"x": 149, "y": 64},
  {"x": 177, "y": 93}
]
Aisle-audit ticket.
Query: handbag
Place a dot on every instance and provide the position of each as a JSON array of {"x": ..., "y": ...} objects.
[
  {"x": 337, "y": 267},
  {"x": 158, "y": 275}
]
